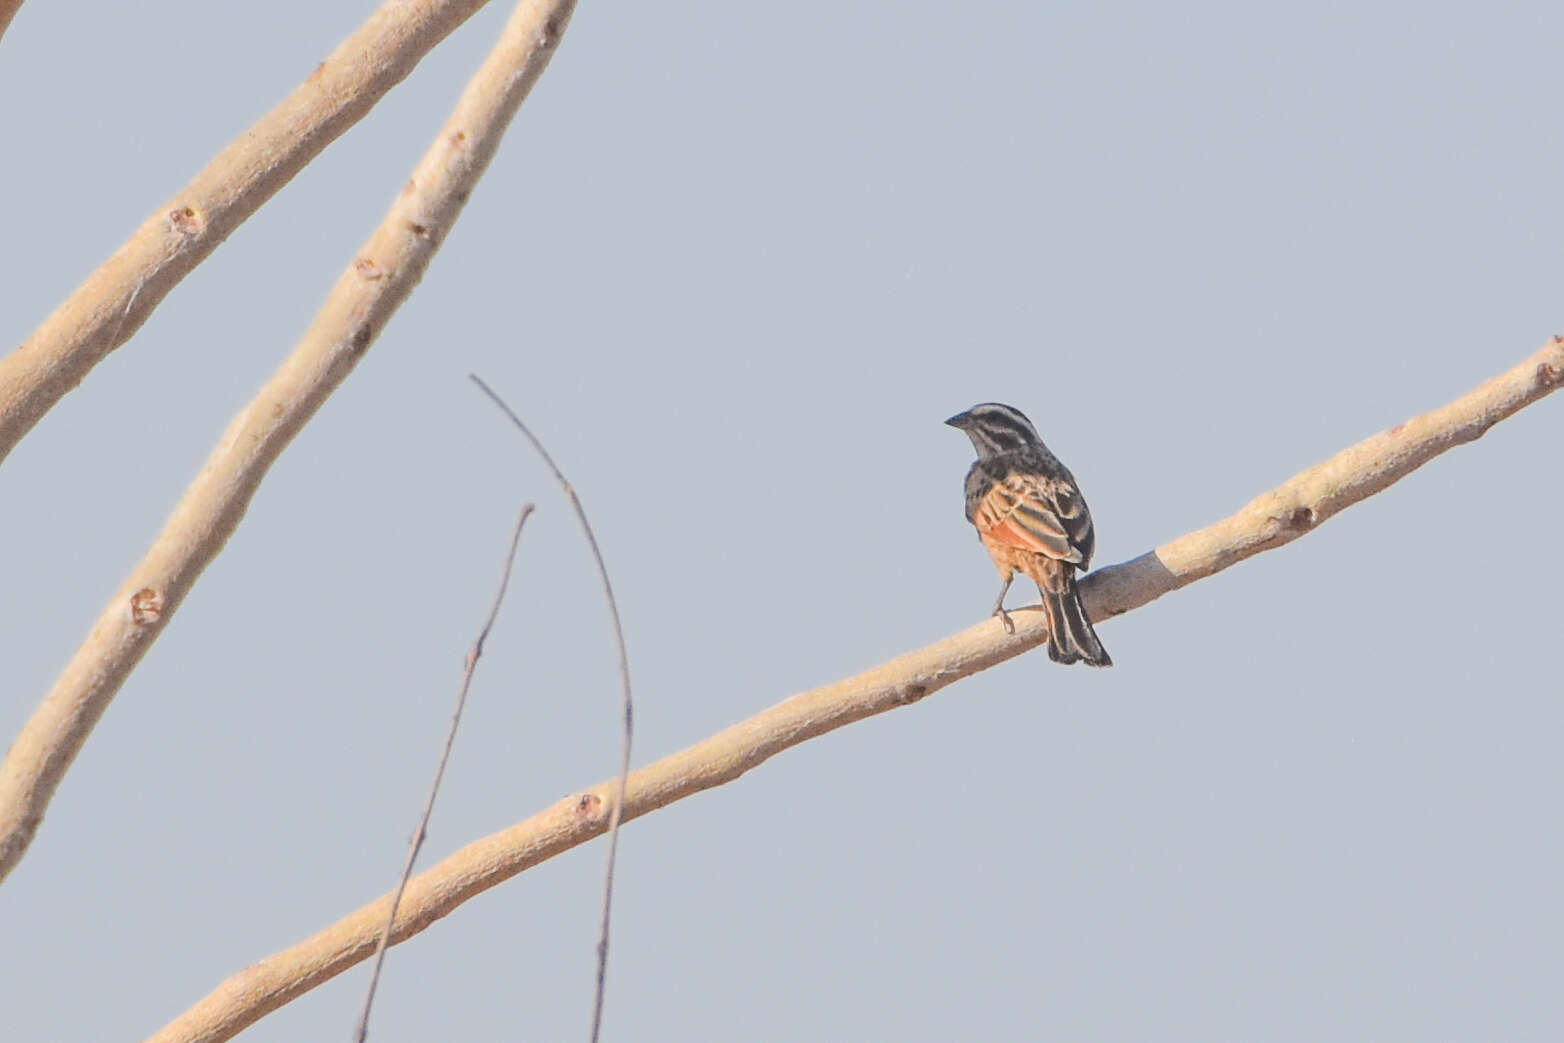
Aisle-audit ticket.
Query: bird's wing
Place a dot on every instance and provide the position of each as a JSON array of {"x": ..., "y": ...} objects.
[{"x": 1034, "y": 513}]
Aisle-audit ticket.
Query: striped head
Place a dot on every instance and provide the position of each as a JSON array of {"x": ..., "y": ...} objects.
[{"x": 996, "y": 428}]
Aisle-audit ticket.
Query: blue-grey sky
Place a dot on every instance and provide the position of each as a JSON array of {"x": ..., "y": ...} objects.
[{"x": 735, "y": 263}]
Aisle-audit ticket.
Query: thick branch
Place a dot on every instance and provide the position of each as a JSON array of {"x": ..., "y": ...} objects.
[
  {"x": 107, "y": 309},
  {"x": 1277, "y": 517},
  {"x": 363, "y": 300}
]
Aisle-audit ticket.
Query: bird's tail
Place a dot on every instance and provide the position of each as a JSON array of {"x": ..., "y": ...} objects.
[{"x": 1071, "y": 638}]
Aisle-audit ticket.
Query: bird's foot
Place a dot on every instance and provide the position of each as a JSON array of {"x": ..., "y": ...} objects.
[{"x": 1004, "y": 617}]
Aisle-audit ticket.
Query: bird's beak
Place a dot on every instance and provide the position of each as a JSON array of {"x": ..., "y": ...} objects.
[{"x": 959, "y": 420}]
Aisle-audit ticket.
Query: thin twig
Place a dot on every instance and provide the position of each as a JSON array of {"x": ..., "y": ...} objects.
[
  {"x": 371, "y": 288},
  {"x": 1292, "y": 509},
  {"x": 616, "y": 812},
  {"x": 417, "y": 843}
]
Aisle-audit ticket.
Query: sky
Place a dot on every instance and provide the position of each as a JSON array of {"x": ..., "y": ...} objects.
[{"x": 735, "y": 263}]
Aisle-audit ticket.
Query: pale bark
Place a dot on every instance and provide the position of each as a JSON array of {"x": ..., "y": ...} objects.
[
  {"x": 363, "y": 300},
  {"x": 1290, "y": 510},
  {"x": 107, "y": 309}
]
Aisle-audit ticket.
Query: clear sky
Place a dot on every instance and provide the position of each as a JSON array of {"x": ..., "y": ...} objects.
[{"x": 735, "y": 263}]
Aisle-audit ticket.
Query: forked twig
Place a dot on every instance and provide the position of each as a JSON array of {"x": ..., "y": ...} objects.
[
  {"x": 417, "y": 843},
  {"x": 617, "y": 811}
]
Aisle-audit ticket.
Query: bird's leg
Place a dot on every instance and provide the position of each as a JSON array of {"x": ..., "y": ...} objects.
[{"x": 999, "y": 603}]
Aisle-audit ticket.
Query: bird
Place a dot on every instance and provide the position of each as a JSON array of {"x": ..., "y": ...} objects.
[{"x": 1031, "y": 517}]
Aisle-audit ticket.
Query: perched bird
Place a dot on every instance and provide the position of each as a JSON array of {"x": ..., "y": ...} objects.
[{"x": 1031, "y": 517}]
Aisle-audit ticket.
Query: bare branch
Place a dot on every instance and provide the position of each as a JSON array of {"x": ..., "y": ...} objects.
[
  {"x": 614, "y": 812},
  {"x": 416, "y": 844},
  {"x": 1277, "y": 517},
  {"x": 107, "y": 309},
  {"x": 361, "y": 303}
]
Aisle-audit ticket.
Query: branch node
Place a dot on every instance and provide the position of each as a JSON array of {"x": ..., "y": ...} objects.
[
  {"x": 1301, "y": 519},
  {"x": 146, "y": 607},
  {"x": 185, "y": 222}
]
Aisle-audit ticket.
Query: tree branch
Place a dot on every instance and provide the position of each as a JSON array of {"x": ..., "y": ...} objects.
[
  {"x": 107, "y": 309},
  {"x": 1297, "y": 506},
  {"x": 364, "y": 299}
]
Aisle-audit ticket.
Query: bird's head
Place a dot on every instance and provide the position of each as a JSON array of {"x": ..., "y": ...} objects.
[{"x": 996, "y": 428}]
